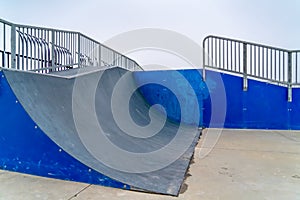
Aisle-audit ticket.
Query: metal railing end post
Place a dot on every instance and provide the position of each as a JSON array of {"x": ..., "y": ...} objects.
[
  {"x": 245, "y": 72},
  {"x": 53, "y": 57},
  {"x": 79, "y": 53},
  {"x": 290, "y": 93},
  {"x": 289, "y": 76},
  {"x": 13, "y": 46}
]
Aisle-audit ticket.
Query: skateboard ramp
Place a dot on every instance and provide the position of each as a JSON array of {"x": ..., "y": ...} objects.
[{"x": 99, "y": 118}]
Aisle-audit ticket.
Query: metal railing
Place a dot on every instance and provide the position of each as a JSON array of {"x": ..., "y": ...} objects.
[
  {"x": 248, "y": 59},
  {"x": 45, "y": 50}
]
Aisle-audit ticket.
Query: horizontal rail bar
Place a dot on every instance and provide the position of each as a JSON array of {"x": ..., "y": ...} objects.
[{"x": 250, "y": 43}]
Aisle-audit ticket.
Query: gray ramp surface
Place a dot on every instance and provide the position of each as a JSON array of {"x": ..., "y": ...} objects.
[{"x": 65, "y": 110}]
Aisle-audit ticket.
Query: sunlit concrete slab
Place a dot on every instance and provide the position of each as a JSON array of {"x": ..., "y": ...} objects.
[{"x": 15, "y": 186}]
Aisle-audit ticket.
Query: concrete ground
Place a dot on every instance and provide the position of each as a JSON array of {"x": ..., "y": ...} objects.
[{"x": 244, "y": 164}]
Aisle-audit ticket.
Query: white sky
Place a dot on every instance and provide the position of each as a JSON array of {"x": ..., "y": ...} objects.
[{"x": 272, "y": 22}]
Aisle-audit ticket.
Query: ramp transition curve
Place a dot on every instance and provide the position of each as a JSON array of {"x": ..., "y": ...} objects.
[{"x": 57, "y": 141}]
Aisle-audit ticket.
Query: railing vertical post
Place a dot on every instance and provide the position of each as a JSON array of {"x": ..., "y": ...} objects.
[
  {"x": 245, "y": 81},
  {"x": 4, "y": 47},
  {"x": 78, "y": 49},
  {"x": 290, "y": 77},
  {"x": 52, "y": 49},
  {"x": 13, "y": 46},
  {"x": 203, "y": 61},
  {"x": 100, "y": 58}
]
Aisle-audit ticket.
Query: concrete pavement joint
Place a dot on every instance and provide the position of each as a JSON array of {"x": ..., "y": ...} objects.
[
  {"x": 75, "y": 195},
  {"x": 250, "y": 150},
  {"x": 287, "y": 137}
]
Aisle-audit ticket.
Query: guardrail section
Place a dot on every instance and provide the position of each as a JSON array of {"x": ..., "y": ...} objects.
[
  {"x": 248, "y": 59},
  {"x": 45, "y": 50}
]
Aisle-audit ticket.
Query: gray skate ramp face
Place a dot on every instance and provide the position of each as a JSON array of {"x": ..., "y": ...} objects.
[{"x": 101, "y": 119}]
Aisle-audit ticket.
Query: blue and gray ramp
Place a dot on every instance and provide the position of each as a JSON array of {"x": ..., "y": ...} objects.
[{"x": 93, "y": 126}]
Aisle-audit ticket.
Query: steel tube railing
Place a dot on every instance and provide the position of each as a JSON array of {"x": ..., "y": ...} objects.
[
  {"x": 263, "y": 62},
  {"x": 45, "y": 49}
]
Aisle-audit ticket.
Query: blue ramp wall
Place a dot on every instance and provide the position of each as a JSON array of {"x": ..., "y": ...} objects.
[
  {"x": 25, "y": 148},
  {"x": 157, "y": 93},
  {"x": 263, "y": 106}
]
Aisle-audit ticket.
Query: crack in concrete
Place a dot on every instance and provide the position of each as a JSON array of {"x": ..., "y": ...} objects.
[{"x": 75, "y": 195}]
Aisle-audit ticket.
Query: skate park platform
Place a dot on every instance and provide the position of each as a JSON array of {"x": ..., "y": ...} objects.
[{"x": 80, "y": 111}]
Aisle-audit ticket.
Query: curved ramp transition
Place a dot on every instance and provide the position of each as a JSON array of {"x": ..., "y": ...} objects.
[{"x": 72, "y": 108}]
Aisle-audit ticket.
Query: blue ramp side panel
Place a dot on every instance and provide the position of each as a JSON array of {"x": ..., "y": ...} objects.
[
  {"x": 266, "y": 106},
  {"x": 25, "y": 148},
  {"x": 294, "y": 110},
  {"x": 262, "y": 106},
  {"x": 157, "y": 93}
]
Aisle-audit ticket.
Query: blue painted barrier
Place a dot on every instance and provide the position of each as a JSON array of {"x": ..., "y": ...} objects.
[
  {"x": 157, "y": 93},
  {"x": 263, "y": 106},
  {"x": 25, "y": 148}
]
